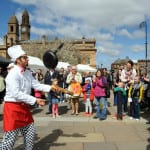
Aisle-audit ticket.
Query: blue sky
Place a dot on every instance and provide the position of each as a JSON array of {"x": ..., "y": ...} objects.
[{"x": 113, "y": 23}]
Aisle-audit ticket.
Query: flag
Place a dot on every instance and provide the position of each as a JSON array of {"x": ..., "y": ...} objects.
[{"x": 142, "y": 24}]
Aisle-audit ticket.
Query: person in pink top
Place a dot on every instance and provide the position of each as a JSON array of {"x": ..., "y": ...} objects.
[{"x": 99, "y": 85}]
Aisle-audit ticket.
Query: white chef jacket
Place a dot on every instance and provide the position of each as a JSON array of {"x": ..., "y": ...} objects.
[{"x": 18, "y": 86}]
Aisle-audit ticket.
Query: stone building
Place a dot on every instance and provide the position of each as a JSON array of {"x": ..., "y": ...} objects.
[
  {"x": 142, "y": 66},
  {"x": 139, "y": 65},
  {"x": 73, "y": 51}
]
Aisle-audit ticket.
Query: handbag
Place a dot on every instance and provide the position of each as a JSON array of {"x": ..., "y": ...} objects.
[
  {"x": 107, "y": 92},
  {"x": 107, "y": 89}
]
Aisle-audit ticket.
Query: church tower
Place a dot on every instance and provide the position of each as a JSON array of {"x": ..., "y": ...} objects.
[
  {"x": 25, "y": 27},
  {"x": 13, "y": 31}
]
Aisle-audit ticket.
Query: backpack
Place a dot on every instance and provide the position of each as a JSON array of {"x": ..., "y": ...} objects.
[{"x": 107, "y": 89}]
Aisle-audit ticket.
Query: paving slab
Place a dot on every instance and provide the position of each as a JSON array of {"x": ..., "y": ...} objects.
[
  {"x": 133, "y": 146},
  {"x": 100, "y": 145}
]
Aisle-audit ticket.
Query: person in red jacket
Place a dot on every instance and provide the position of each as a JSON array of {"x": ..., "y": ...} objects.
[{"x": 88, "y": 96}]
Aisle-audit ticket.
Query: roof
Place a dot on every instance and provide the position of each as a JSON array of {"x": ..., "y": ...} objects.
[
  {"x": 122, "y": 61},
  {"x": 25, "y": 13},
  {"x": 13, "y": 19}
]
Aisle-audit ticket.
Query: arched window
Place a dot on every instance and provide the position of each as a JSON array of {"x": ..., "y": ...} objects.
[{"x": 11, "y": 28}]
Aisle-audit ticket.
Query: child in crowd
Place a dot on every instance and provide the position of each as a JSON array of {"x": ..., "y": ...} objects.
[
  {"x": 75, "y": 87},
  {"x": 88, "y": 93},
  {"x": 55, "y": 96},
  {"x": 135, "y": 96},
  {"x": 120, "y": 96}
]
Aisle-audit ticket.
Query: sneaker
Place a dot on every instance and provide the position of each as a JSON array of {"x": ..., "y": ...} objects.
[
  {"x": 102, "y": 119},
  {"x": 58, "y": 116},
  {"x": 86, "y": 113},
  {"x": 47, "y": 113},
  {"x": 137, "y": 119},
  {"x": 77, "y": 113},
  {"x": 90, "y": 114},
  {"x": 95, "y": 117},
  {"x": 54, "y": 116},
  {"x": 131, "y": 118}
]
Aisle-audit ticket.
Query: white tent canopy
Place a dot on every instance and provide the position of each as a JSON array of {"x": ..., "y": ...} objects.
[
  {"x": 35, "y": 61},
  {"x": 62, "y": 65},
  {"x": 83, "y": 67}
]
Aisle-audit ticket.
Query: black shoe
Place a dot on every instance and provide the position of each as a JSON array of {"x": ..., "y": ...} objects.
[
  {"x": 95, "y": 117},
  {"x": 47, "y": 113},
  {"x": 148, "y": 122},
  {"x": 102, "y": 119}
]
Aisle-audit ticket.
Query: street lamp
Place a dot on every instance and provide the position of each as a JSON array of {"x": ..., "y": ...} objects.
[{"x": 144, "y": 24}]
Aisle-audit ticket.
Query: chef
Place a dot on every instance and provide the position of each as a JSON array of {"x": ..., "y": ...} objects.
[{"x": 17, "y": 115}]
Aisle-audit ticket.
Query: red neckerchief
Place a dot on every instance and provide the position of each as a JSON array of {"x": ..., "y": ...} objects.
[{"x": 22, "y": 70}]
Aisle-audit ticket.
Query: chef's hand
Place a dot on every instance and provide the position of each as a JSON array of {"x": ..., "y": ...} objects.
[{"x": 40, "y": 101}]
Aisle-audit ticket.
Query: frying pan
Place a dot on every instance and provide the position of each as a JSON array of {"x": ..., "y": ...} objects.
[{"x": 50, "y": 59}]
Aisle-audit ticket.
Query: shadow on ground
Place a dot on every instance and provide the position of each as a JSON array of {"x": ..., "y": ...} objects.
[{"x": 51, "y": 140}]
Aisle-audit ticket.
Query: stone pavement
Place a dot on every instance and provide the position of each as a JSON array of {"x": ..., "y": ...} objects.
[{"x": 69, "y": 132}]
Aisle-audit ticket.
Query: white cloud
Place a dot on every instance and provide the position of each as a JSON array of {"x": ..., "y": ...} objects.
[
  {"x": 41, "y": 32},
  {"x": 138, "y": 48},
  {"x": 124, "y": 32},
  {"x": 131, "y": 35},
  {"x": 108, "y": 50},
  {"x": 96, "y": 14},
  {"x": 76, "y": 18},
  {"x": 109, "y": 21}
]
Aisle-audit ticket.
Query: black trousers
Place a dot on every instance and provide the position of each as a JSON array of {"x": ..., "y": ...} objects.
[{"x": 119, "y": 105}]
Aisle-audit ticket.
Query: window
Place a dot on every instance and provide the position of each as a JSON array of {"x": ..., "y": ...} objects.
[
  {"x": 88, "y": 60},
  {"x": 11, "y": 28}
]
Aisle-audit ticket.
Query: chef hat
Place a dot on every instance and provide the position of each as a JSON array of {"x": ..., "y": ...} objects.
[{"x": 15, "y": 52}]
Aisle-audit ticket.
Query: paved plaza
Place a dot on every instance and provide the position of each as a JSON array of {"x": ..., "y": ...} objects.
[{"x": 71, "y": 132}]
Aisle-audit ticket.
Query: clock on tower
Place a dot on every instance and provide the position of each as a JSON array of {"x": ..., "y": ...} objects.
[{"x": 24, "y": 29}]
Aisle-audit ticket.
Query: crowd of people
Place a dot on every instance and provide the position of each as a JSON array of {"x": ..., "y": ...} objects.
[
  {"x": 130, "y": 91},
  {"x": 20, "y": 88}
]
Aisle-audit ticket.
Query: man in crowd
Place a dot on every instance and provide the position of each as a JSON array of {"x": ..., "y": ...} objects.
[{"x": 127, "y": 77}]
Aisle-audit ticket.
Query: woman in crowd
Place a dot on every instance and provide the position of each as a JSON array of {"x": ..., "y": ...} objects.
[{"x": 99, "y": 85}]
